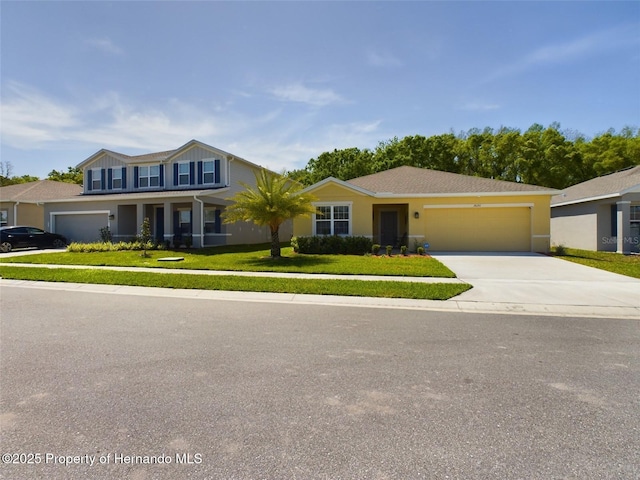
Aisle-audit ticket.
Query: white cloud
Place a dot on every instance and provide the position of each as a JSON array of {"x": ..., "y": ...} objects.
[
  {"x": 31, "y": 118},
  {"x": 479, "y": 106},
  {"x": 296, "y": 92},
  {"x": 36, "y": 122},
  {"x": 383, "y": 59},
  {"x": 106, "y": 45},
  {"x": 594, "y": 43}
]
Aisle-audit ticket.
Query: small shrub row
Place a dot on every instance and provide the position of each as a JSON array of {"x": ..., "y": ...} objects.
[
  {"x": 76, "y": 247},
  {"x": 332, "y": 244}
]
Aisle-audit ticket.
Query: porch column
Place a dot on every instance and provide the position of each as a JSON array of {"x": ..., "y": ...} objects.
[
  {"x": 624, "y": 227},
  {"x": 168, "y": 222},
  {"x": 139, "y": 217}
]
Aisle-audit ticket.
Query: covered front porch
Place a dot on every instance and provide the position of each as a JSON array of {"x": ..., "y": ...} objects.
[
  {"x": 175, "y": 223},
  {"x": 391, "y": 224}
]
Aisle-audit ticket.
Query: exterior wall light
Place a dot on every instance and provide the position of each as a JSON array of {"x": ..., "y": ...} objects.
[{"x": 416, "y": 214}]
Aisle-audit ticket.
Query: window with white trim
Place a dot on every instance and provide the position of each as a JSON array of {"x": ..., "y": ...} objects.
[
  {"x": 4, "y": 218},
  {"x": 116, "y": 178},
  {"x": 634, "y": 212},
  {"x": 96, "y": 179},
  {"x": 333, "y": 220},
  {"x": 208, "y": 172},
  {"x": 183, "y": 173},
  {"x": 149, "y": 176}
]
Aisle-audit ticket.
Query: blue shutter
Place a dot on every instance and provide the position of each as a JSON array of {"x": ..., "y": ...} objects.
[
  {"x": 135, "y": 177},
  {"x": 200, "y": 174},
  {"x": 161, "y": 175},
  {"x": 614, "y": 220},
  {"x": 175, "y": 174},
  {"x": 109, "y": 179},
  {"x": 217, "y": 171},
  {"x": 192, "y": 173},
  {"x": 103, "y": 179},
  {"x": 176, "y": 224},
  {"x": 218, "y": 224},
  {"x": 124, "y": 177},
  {"x": 89, "y": 180}
]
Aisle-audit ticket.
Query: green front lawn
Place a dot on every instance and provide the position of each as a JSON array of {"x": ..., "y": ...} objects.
[
  {"x": 613, "y": 262},
  {"x": 360, "y": 288},
  {"x": 251, "y": 258}
]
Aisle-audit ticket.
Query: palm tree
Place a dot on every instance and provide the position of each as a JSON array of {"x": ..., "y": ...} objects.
[{"x": 274, "y": 200}]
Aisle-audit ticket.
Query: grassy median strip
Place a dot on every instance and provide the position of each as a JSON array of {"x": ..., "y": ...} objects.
[
  {"x": 358, "y": 288},
  {"x": 251, "y": 258}
]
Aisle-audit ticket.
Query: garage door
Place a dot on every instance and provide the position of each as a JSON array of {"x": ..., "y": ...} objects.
[
  {"x": 81, "y": 227},
  {"x": 483, "y": 229}
]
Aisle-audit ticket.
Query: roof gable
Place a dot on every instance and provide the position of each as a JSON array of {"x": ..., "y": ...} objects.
[
  {"x": 339, "y": 183},
  {"x": 160, "y": 157},
  {"x": 612, "y": 185},
  {"x": 414, "y": 181}
]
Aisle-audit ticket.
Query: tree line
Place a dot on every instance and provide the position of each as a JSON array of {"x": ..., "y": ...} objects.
[
  {"x": 72, "y": 175},
  {"x": 547, "y": 157}
]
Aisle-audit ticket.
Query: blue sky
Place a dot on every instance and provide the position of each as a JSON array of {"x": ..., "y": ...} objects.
[{"x": 279, "y": 83}]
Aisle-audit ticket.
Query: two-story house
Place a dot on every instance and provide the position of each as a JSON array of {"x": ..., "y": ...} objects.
[{"x": 182, "y": 192}]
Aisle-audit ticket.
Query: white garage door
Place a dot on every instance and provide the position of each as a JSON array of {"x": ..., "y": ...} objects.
[
  {"x": 479, "y": 229},
  {"x": 81, "y": 227}
]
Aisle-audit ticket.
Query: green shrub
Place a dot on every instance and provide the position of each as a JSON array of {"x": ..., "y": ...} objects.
[
  {"x": 105, "y": 235},
  {"x": 389, "y": 248},
  {"x": 560, "y": 250},
  {"x": 375, "y": 249},
  {"x": 331, "y": 244},
  {"x": 420, "y": 250},
  {"x": 403, "y": 249},
  {"x": 76, "y": 247}
]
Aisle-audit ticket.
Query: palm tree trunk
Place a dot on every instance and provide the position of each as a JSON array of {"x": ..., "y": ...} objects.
[{"x": 275, "y": 243}]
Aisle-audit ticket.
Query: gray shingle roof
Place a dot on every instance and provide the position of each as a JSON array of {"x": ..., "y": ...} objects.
[
  {"x": 39, "y": 191},
  {"x": 413, "y": 180},
  {"x": 147, "y": 157},
  {"x": 612, "y": 184}
]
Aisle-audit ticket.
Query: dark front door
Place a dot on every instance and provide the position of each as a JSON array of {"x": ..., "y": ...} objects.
[
  {"x": 388, "y": 228},
  {"x": 160, "y": 224}
]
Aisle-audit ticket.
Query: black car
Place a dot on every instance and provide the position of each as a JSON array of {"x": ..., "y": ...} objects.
[{"x": 23, "y": 237}]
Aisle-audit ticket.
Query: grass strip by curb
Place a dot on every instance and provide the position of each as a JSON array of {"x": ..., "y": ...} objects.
[{"x": 354, "y": 288}]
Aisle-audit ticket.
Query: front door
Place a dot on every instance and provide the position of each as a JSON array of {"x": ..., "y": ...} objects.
[
  {"x": 388, "y": 228},
  {"x": 160, "y": 224}
]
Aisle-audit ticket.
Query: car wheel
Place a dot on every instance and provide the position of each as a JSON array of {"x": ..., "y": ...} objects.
[
  {"x": 5, "y": 247},
  {"x": 57, "y": 243}
]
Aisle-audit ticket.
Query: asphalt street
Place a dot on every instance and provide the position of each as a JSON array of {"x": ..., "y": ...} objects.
[{"x": 103, "y": 385}]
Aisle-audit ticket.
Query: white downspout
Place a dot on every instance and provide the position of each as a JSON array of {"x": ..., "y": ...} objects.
[
  {"x": 195, "y": 197},
  {"x": 15, "y": 213}
]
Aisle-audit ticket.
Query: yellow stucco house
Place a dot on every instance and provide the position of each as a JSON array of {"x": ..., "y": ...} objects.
[{"x": 450, "y": 212}]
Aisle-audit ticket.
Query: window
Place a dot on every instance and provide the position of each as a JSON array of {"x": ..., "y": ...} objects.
[
  {"x": 4, "y": 218},
  {"x": 208, "y": 171},
  {"x": 333, "y": 220},
  {"x": 96, "y": 179},
  {"x": 149, "y": 176},
  {"x": 183, "y": 173},
  {"x": 635, "y": 213},
  {"x": 209, "y": 220},
  {"x": 184, "y": 220},
  {"x": 116, "y": 178}
]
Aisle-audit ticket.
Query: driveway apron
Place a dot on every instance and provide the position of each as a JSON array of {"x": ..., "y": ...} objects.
[{"x": 531, "y": 278}]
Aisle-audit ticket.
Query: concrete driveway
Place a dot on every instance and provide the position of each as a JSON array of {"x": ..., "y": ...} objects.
[{"x": 531, "y": 278}]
